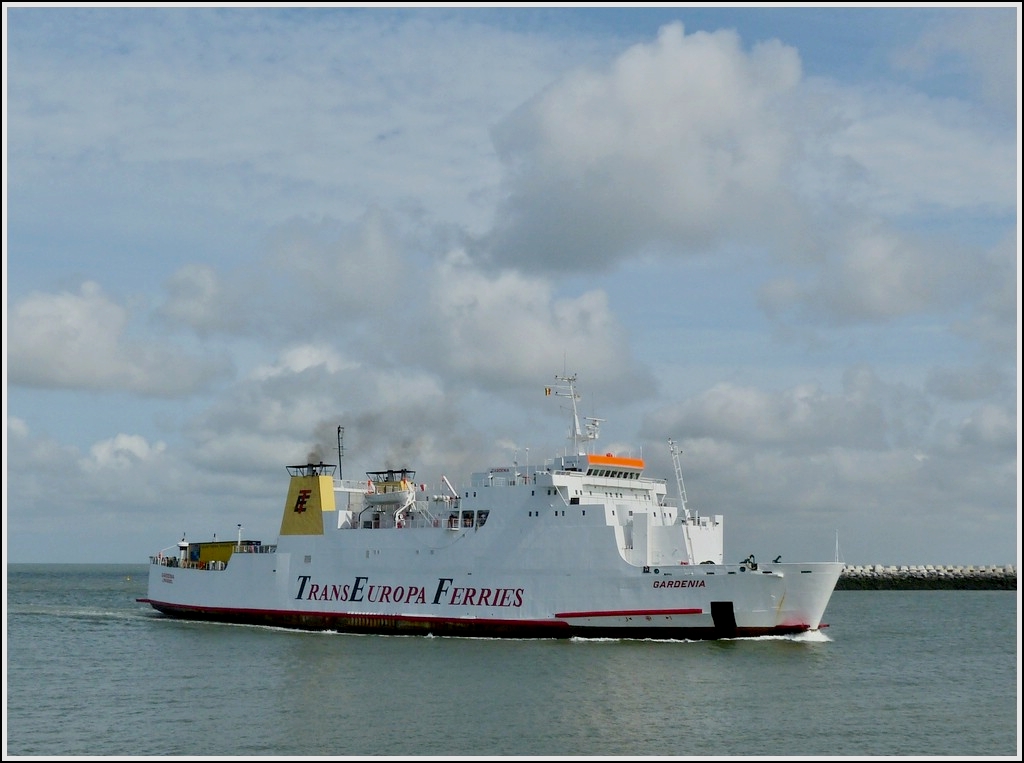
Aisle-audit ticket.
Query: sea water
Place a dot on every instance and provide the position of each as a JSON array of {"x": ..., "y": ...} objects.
[{"x": 92, "y": 672}]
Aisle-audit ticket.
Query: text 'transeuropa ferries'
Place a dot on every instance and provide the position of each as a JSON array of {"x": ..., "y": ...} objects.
[{"x": 584, "y": 545}]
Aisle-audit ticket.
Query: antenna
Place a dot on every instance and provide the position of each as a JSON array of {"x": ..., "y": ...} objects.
[{"x": 341, "y": 448}]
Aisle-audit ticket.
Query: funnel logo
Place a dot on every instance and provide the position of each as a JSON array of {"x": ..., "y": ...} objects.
[{"x": 301, "y": 500}]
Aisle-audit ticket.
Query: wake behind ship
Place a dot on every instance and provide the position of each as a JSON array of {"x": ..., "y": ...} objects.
[{"x": 583, "y": 545}]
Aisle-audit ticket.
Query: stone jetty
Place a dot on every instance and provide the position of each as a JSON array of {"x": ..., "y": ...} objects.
[{"x": 881, "y": 577}]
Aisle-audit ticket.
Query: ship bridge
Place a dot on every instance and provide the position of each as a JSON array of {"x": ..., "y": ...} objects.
[{"x": 608, "y": 465}]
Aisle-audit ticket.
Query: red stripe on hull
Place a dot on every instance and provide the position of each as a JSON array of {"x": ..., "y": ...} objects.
[{"x": 631, "y": 613}]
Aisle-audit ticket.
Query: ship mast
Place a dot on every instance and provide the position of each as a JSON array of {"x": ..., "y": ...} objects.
[{"x": 576, "y": 434}]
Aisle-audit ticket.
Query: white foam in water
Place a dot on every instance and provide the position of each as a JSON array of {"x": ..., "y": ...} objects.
[{"x": 816, "y": 637}]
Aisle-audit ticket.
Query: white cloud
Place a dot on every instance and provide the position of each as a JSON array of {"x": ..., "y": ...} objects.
[
  {"x": 914, "y": 156},
  {"x": 991, "y": 426},
  {"x": 297, "y": 359},
  {"x": 802, "y": 419},
  {"x": 876, "y": 461},
  {"x": 870, "y": 271},
  {"x": 121, "y": 452},
  {"x": 509, "y": 329},
  {"x": 358, "y": 271},
  {"x": 16, "y": 427},
  {"x": 984, "y": 44},
  {"x": 82, "y": 341},
  {"x": 679, "y": 141},
  {"x": 994, "y": 321},
  {"x": 967, "y": 383},
  {"x": 233, "y": 114},
  {"x": 195, "y": 298},
  {"x": 691, "y": 144}
]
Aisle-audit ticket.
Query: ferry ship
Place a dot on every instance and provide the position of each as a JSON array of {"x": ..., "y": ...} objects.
[{"x": 583, "y": 545}]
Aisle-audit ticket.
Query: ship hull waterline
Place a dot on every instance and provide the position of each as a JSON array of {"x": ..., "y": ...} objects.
[
  {"x": 677, "y": 603},
  {"x": 427, "y": 626}
]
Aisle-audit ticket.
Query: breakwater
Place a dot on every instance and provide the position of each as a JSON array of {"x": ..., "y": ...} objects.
[{"x": 880, "y": 577}]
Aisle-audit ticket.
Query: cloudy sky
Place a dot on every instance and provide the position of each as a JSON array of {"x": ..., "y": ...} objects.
[{"x": 787, "y": 239}]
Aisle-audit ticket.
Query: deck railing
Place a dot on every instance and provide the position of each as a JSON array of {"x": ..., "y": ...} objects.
[{"x": 167, "y": 560}]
